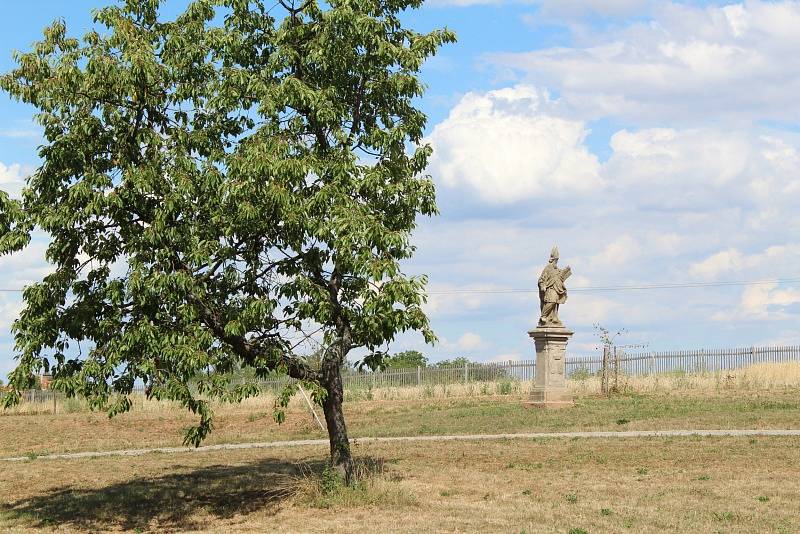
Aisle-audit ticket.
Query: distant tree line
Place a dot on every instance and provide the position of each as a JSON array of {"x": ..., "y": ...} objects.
[{"x": 413, "y": 359}]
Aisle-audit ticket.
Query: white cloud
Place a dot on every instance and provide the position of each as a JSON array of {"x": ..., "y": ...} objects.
[
  {"x": 508, "y": 357},
  {"x": 25, "y": 267},
  {"x": 587, "y": 309},
  {"x": 10, "y": 308},
  {"x": 12, "y": 178},
  {"x": 761, "y": 302},
  {"x": 702, "y": 169},
  {"x": 721, "y": 262},
  {"x": 470, "y": 341},
  {"x": 450, "y": 303},
  {"x": 619, "y": 251},
  {"x": 508, "y": 145},
  {"x": 685, "y": 63},
  {"x": 773, "y": 259},
  {"x": 20, "y": 133}
]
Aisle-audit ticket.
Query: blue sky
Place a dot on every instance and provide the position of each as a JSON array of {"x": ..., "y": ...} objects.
[{"x": 655, "y": 142}]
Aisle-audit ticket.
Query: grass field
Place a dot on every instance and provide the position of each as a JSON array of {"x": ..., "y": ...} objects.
[
  {"x": 760, "y": 397},
  {"x": 39, "y": 434},
  {"x": 555, "y": 485}
]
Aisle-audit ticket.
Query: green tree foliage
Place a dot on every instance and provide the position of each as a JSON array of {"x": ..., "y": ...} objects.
[
  {"x": 215, "y": 188},
  {"x": 405, "y": 359},
  {"x": 476, "y": 370},
  {"x": 460, "y": 361}
]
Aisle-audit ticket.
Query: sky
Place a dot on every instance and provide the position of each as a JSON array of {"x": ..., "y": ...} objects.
[{"x": 655, "y": 142}]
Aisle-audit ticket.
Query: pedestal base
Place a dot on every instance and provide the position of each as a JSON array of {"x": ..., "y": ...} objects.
[
  {"x": 550, "y": 398},
  {"x": 550, "y": 387}
]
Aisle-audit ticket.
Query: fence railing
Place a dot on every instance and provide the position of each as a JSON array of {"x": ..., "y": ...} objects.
[
  {"x": 689, "y": 361},
  {"x": 641, "y": 363},
  {"x": 426, "y": 376}
]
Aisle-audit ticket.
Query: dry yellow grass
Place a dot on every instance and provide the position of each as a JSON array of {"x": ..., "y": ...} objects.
[
  {"x": 762, "y": 376},
  {"x": 734, "y": 485}
]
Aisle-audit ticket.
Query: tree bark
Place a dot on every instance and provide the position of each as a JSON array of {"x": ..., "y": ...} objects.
[{"x": 341, "y": 459}]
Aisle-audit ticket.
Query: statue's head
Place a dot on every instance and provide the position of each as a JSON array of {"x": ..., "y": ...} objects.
[{"x": 554, "y": 255}]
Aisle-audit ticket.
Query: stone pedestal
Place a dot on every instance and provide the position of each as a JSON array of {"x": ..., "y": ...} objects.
[{"x": 550, "y": 385}]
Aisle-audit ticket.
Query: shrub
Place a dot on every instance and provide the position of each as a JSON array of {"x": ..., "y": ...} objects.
[{"x": 581, "y": 373}]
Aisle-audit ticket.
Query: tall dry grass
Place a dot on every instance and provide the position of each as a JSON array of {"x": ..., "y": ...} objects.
[{"x": 761, "y": 376}]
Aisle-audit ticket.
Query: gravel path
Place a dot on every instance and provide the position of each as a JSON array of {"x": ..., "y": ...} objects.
[{"x": 465, "y": 437}]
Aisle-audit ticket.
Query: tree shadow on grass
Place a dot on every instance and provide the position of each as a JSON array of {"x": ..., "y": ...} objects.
[{"x": 172, "y": 502}]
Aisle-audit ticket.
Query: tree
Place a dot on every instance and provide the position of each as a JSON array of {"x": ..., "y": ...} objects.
[
  {"x": 406, "y": 359},
  {"x": 217, "y": 188}
]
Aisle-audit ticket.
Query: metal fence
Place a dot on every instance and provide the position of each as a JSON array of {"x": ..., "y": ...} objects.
[
  {"x": 643, "y": 363},
  {"x": 429, "y": 376},
  {"x": 689, "y": 361}
]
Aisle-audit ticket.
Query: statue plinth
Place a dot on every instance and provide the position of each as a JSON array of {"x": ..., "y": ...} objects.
[{"x": 550, "y": 384}]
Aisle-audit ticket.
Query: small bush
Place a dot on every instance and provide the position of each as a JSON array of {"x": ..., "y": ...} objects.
[
  {"x": 330, "y": 481},
  {"x": 372, "y": 487},
  {"x": 582, "y": 373},
  {"x": 505, "y": 388},
  {"x": 572, "y": 498}
]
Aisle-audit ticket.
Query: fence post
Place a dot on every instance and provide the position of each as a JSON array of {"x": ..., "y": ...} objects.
[
  {"x": 604, "y": 372},
  {"x": 419, "y": 373},
  {"x": 466, "y": 372},
  {"x": 616, "y": 370}
]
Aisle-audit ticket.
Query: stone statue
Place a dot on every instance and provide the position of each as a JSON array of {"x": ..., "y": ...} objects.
[{"x": 552, "y": 292}]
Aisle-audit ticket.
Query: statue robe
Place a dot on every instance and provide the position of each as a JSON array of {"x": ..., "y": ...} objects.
[{"x": 551, "y": 285}]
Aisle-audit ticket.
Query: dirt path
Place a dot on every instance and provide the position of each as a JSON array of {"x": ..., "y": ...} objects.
[{"x": 465, "y": 437}]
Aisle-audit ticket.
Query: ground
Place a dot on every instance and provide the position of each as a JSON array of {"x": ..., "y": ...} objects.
[
  {"x": 693, "y": 484},
  {"x": 554, "y": 485}
]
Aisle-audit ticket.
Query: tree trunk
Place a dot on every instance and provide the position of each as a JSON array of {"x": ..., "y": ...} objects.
[{"x": 341, "y": 460}]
